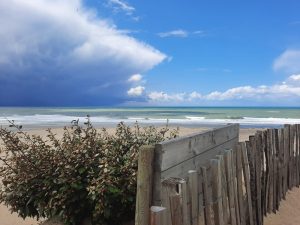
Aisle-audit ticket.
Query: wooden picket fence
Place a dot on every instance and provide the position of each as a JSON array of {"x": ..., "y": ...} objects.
[{"x": 212, "y": 179}]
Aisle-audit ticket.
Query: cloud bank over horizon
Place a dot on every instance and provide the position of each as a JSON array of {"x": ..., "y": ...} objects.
[
  {"x": 285, "y": 93},
  {"x": 58, "y": 52}
]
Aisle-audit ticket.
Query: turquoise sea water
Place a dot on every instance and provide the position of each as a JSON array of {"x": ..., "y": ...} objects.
[{"x": 184, "y": 116}]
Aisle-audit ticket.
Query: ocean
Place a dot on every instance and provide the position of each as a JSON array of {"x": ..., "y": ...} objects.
[{"x": 256, "y": 117}]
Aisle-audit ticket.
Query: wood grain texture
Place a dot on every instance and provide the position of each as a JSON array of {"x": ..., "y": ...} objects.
[
  {"x": 246, "y": 172},
  {"x": 144, "y": 185},
  {"x": 156, "y": 215},
  {"x": 217, "y": 191},
  {"x": 193, "y": 190},
  {"x": 230, "y": 184},
  {"x": 175, "y": 157}
]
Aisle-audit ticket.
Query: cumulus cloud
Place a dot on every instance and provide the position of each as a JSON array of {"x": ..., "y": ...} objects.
[
  {"x": 286, "y": 91},
  {"x": 159, "y": 96},
  {"x": 61, "y": 53},
  {"x": 136, "y": 91},
  {"x": 288, "y": 61},
  {"x": 135, "y": 78}
]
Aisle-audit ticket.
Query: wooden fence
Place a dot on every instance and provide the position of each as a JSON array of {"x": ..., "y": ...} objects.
[{"x": 212, "y": 179}]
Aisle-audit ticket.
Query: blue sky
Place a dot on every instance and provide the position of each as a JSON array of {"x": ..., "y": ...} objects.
[{"x": 172, "y": 52}]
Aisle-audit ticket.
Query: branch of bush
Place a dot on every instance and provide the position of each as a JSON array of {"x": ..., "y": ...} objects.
[{"x": 88, "y": 173}]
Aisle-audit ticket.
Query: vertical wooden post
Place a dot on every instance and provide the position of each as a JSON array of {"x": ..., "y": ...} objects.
[
  {"x": 276, "y": 168},
  {"x": 234, "y": 177},
  {"x": 258, "y": 149},
  {"x": 207, "y": 209},
  {"x": 193, "y": 190},
  {"x": 228, "y": 169},
  {"x": 224, "y": 190},
  {"x": 263, "y": 173},
  {"x": 281, "y": 162},
  {"x": 270, "y": 170},
  {"x": 251, "y": 160},
  {"x": 266, "y": 171},
  {"x": 176, "y": 209},
  {"x": 246, "y": 172},
  {"x": 156, "y": 213},
  {"x": 168, "y": 188},
  {"x": 298, "y": 152},
  {"x": 217, "y": 191},
  {"x": 186, "y": 212},
  {"x": 144, "y": 185},
  {"x": 239, "y": 172},
  {"x": 287, "y": 156}
]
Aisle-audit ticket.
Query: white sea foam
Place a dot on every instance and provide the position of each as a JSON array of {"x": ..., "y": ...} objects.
[
  {"x": 195, "y": 117},
  {"x": 62, "y": 120}
]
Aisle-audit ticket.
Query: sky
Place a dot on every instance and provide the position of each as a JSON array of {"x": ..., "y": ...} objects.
[{"x": 149, "y": 53}]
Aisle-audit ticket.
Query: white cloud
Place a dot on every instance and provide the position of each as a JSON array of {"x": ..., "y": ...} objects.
[
  {"x": 136, "y": 91},
  {"x": 195, "y": 95},
  {"x": 288, "y": 61},
  {"x": 174, "y": 33},
  {"x": 119, "y": 5},
  {"x": 294, "y": 79},
  {"x": 180, "y": 33},
  {"x": 66, "y": 47},
  {"x": 285, "y": 91},
  {"x": 163, "y": 97},
  {"x": 135, "y": 78}
]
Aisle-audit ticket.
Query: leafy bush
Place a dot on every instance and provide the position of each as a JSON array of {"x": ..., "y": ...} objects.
[{"x": 85, "y": 174}]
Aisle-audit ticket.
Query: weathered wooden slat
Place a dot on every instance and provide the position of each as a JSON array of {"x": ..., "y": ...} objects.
[
  {"x": 274, "y": 152},
  {"x": 293, "y": 149},
  {"x": 207, "y": 203},
  {"x": 224, "y": 190},
  {"x": 186, "y": 209},
  {"x": 239, "y": 172},
  {"x": 258, "y": 149},
  {"x": 290, "y": 163},
  {"x": 176, "y": 151},
  {"x": 246, "y": 172},
  {"x": 270, "y": 170},
  {"x": 196, "y": 162},
  {"x": 297, "y": 155},
  {"x": 266, "y": 171},
  {"x": 217, "y": 191},
  {"x": 193, "y": 190},
  {"x": 292, "y": 155},
  {"x": 201, "y": 215},
  {"x": 168, "y": 190},
  {"x": 230, "y": 184},
  {"x": 234, "y": 177},
  {"x": 281, "y": 162},
  {"x": 176, "y": 209},
  {"x": 286, "y": 159},
  {"x": 251, "y": 161},
  {"x": 263, "y": 173},
  {"x": 298, "y": 152},
  {"x": 156, "y": 215},
  {"x": 277, "y": 174},
  {"x": 144, "y": 185}
]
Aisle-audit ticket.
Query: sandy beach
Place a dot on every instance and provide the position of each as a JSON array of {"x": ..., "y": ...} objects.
[{"x": 288, "y": 214}]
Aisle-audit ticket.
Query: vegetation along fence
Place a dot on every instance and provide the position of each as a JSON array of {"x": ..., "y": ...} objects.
[{"x": 212, "y": 179}]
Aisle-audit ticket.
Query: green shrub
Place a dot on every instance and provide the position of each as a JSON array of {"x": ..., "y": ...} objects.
[{"x": 85, "y": 174}]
